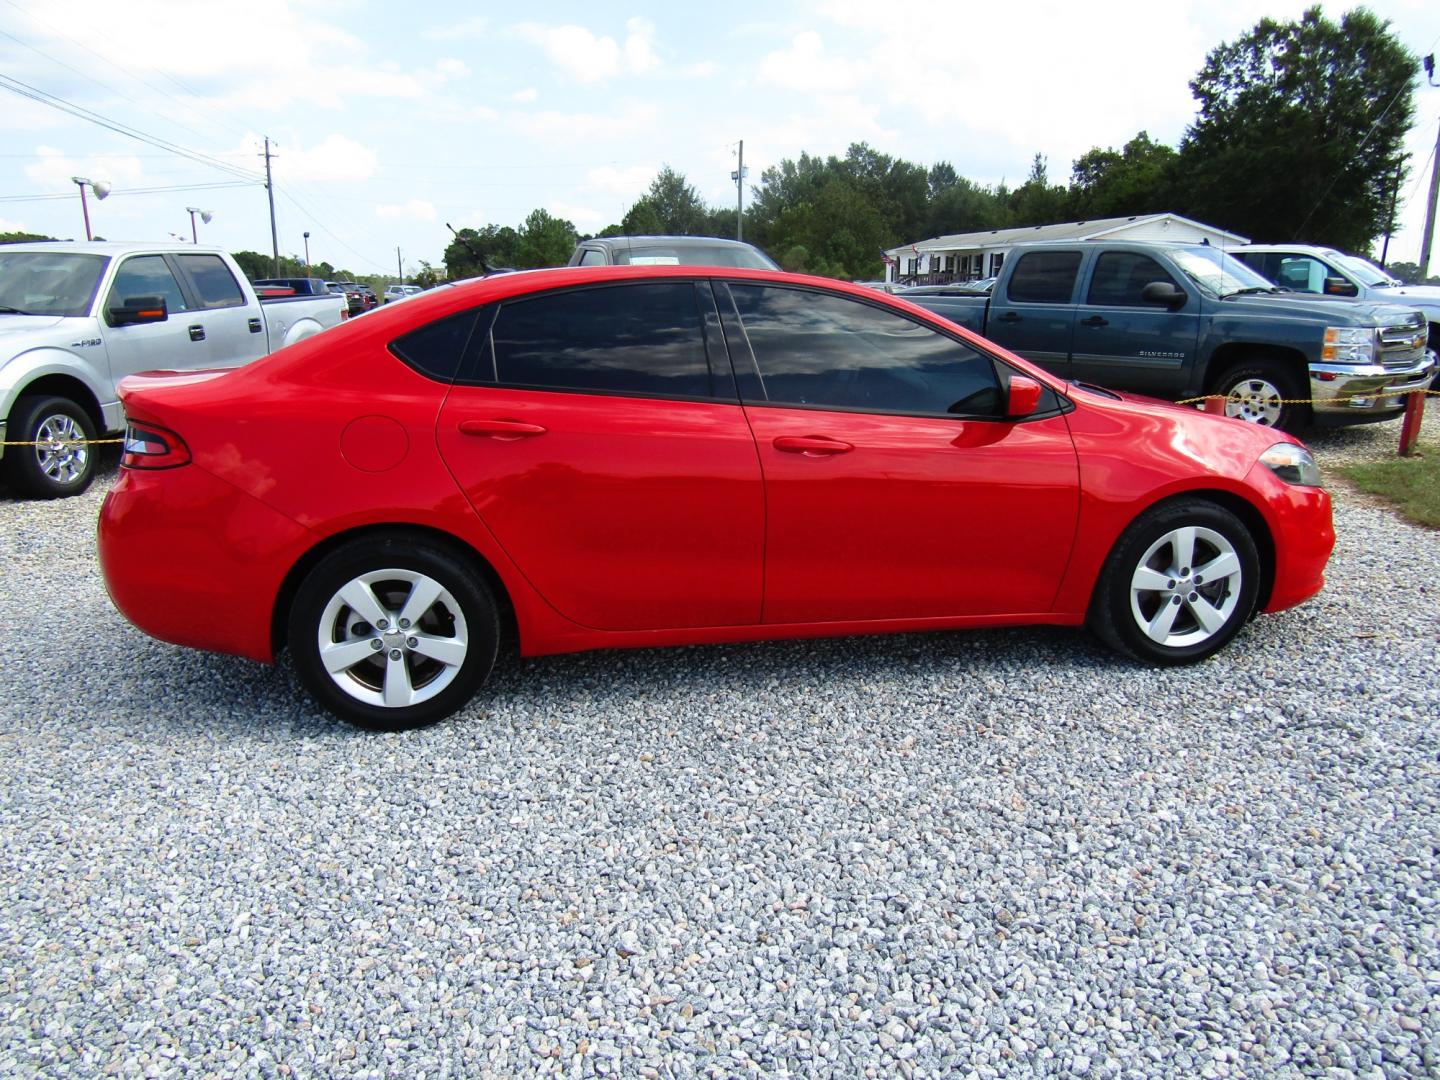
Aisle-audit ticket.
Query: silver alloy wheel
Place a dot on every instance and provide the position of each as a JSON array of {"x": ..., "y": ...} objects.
[
  {"x": 60, "y": 448},
  {"x": 1186, "y": 586},
  {"x": 392, "y": 638},
  {"x": 1256, "y": 401}
]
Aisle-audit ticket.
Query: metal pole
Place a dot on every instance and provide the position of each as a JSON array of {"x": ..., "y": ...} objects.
[
  {"x": 399, "y": 269},
  {"x": 194, "y": 236},
  {"x": 1430, "y": 212},
  {"x": 307, "y": 254},
  {"x": 85, "y": 209},
  {"x": 740, "y": 195},
  {"x": 269, "y": 190}
]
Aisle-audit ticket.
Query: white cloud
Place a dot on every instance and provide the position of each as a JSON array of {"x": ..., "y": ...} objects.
[
  {"x": 54, "y": 169},
  {"x": 485, "y": 113},
  {"x": 806, "y": 66},
  {"x": 525, "y": 96},
  {"x": 628, "y": 181},
  {"x": 704, "y": 70},
  {"x": 337, "y": 157},
  {"x": 449, "y": 68},
  {"x": 414, "y": 210},
  {"x": 632, "y": 119},
  {"x": 589, "y": 57},
  {"x": 6, "y": 225},
  {"x": 584, "y": 218},
  {"x": 476, "y": 26}
]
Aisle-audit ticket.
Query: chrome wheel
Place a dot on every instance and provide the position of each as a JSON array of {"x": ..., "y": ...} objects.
[
  {"x": 1186, "y": 586},
  {"x": 392, "y": 638},
  {"x": 1256, "y": 401},
  {"x": 60, "y": 449}
]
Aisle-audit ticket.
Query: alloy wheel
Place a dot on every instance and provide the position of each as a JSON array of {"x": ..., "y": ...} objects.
[
  {"x": 60, "y": 448},
  {"x": 1186, "y": 586}
]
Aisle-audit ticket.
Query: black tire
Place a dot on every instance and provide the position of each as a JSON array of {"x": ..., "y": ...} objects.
[
  {"x": 462, "y": 620},
  {"x": 1264, "y": 391},
  {"x": 1125, "y": 603},
  {"x": 54, "y": 471}
]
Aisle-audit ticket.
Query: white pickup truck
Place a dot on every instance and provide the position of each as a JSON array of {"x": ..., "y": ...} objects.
[{"x": 76, "y": 318}]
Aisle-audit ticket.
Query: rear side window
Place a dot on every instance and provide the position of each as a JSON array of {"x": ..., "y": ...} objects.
[
  {"x": 438, "y": 349},
  {"x": 644, "y": 339},
  {"x": 146, "y": 275},
  {"x": 1121, "y": 276},
  {"x": 1044, "y": 277},
  {"x": 834, "y": 352},
  {"x": 213, "y": 281}
]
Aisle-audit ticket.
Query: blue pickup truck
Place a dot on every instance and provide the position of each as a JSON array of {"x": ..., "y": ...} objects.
[{"x": 1182, "y": 320}]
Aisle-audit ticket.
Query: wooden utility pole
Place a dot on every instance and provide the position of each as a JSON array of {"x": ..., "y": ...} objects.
[
  {"x": 270, "y": 191},
  {"x": 739, "y": 177},
  {"x": 1430, "y": 211}
]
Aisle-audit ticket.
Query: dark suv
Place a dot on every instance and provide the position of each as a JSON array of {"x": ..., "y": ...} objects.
[{"x": 669, "y": 250}]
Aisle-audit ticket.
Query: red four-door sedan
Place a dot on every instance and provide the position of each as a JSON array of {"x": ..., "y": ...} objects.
[{"x": 639, "y": 456}]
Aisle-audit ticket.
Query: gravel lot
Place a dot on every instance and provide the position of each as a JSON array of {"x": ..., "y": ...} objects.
[{"x": 987, "y": 853}]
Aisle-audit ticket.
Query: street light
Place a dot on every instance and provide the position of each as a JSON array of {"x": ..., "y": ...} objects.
[
  {"x": 307, "y": 254},
  {"x": 100, "y": 188},
  {"x": 205, "y": 216}
]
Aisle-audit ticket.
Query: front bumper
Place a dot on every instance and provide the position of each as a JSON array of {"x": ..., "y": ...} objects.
[{"x": 1357, "y": 389}]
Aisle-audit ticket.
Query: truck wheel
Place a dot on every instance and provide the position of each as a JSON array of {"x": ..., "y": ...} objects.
[
  {"x": 1264, "y": 392},
  {"x": 58, "y": 465}
]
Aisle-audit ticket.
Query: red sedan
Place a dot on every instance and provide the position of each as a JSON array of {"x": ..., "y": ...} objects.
[{"x": 640, "y": 456}]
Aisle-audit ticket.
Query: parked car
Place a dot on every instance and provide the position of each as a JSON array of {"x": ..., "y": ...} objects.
[
  {"x": 978, "y": 287},
  {"x": 1182, "y": 320},
  {"x": 669, "y": 251},
  {"x": 354, "y": 296},
  {"x": 640, "y": 456},
  {"x": 1324, "y": 270},
  {"x": 400, "y": 292},
  {"x": 300, "y": 286},
  {"x": 76, "y": 318},
  {"x": 371, "y": 300}
]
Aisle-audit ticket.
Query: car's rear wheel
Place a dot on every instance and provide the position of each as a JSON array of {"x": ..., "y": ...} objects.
[
  {"x": 60, "y": 462},
  {"x": 392, "y": 633},
  {"x": 1181, "y": 582},
  {"x": 1264, "y": 392}
]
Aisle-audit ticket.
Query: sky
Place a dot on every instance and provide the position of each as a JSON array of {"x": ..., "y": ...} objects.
[{"x": 389, "y": 120}]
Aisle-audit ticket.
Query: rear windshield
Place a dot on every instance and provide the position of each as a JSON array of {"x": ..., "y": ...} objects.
[
  {"x": 696, "y": 255},
  {"x": 48, "y": 283}
]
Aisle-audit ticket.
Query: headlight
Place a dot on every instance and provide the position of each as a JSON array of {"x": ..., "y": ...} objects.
[
  {"x": 1348, "y": 345},
  {"x": 1292, "y": 463}
]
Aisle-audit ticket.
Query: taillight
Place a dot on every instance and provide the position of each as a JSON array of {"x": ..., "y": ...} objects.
[{"x": 148, "y": 446}]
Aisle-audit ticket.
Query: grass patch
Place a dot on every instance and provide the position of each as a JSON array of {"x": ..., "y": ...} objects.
[{"x": 1412, "y": 484}]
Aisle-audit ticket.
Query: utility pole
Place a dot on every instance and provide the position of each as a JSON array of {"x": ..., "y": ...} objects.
[
  {"x": 739, "y": 177},
  {"x": 270, "y": 190},
  {"x": 399, "y": 267},
  {"x": 1390, "y": 218},
  {"x": 1429, "y": 235}
]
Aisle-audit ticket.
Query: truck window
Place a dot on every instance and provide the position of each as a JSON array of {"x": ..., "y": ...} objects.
[
  {"x": 830, "y": 351},
  {"x": 1044, "y": 277},
  {"x": 1301, "y": 273},
  {"x": 213, "y": 281},
  {"x": 1121, "y": 276},
  {"x": 592, "y": 257},
  {"x": 146, "y": 275}
]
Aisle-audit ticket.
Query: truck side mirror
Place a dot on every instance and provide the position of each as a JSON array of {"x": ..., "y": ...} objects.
[
  {"x": 1162, "y": 292},
  {"x": 1339, "y": 286},
  {"x": 138, "y": 309}
]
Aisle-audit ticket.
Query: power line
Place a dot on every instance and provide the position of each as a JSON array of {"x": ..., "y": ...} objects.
[
  {"x": 327, "y": 231},
  {"x": 132, "y": 191}
]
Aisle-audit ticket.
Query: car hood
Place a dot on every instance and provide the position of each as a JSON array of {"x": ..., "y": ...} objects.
[
  {"x": 1426, "y": 296},
  {"x": 20, "y": 333},
  {"x": 1321, "y": 309}
]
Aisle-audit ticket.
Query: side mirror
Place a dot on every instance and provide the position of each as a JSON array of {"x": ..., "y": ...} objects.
[
  {"x": 1024, "y": 397},
  {"x": 1162, "y": 292},
  {"x": 138, "y": 309},
  {"x": 1339, "y": 286}
]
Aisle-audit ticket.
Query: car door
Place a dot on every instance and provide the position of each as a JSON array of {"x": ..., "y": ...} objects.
[
  {"x": 1124, "y": 341},
  {"x": 609, "y": 458},
  {"x": 894, "y": 487},
  {"x": 147, "y": 346},
  {"x": 229, "y": 321},
  {"x": 1035, "y": 314}
]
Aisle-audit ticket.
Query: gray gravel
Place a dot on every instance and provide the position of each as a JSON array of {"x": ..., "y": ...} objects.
[{"x": 969, "y": 854}]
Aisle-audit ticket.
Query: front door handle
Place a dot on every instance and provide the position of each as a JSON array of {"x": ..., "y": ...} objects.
[
  {"x": 813, "y": 445},
  {"x": 197, "y": 332},
  {"x": 1094, "y": 320},
  {"x": 1010, "y": 316},
  {"x": 503, "y": 430}
]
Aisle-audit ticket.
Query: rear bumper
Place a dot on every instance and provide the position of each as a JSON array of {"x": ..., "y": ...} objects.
[
  {"x": 192, "y": 560},
  {"x": 1357, "y": 390}
]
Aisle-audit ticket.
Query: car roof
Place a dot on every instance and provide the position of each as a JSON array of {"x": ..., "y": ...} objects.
[{"x": 113, "y": 247}]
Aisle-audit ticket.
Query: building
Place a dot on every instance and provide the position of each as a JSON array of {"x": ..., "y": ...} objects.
[{"x": 968, "y": 256}]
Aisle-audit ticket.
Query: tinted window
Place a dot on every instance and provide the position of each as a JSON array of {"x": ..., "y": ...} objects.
[
  {"x": 437, "y": 349},
  {"x": 1045, "y": 277},
  {"x": 1121, "y": 276},
  {"x": 146, "y": 275},
  {"x": 630, "y": 339},
  {"x": 816, "y": 349},
  {"x": 213, "y": 281}
]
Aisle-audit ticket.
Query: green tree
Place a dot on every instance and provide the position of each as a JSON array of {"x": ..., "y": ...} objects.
[
  {"x": 964, "y": 207},
  {"x": 22, "y": 237},
  {"x": 670, "y": 207},
  {"x": 1300, "y": 130},
  {"x": 1037, "y": 201},
  {"x": 1140, "y": 178},
  {"x": 545, "y": 240},
  {"x": 498, "y": 245},
  {"x": 1409, "y": 273}
]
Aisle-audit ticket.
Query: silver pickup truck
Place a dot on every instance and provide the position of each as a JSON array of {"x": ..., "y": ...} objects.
[{"x": 76, "y": 318}]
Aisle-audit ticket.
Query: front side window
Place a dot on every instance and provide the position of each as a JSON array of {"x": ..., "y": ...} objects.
[
  {"x": 213, "y": 281},
  {"x": 834, "y": 352},
  {"x": 1121, "y": 276},
  {"x": 1044, "y": 277},
  {"x": 645, "y": 339},
  {"x": 146, "y": 275}
]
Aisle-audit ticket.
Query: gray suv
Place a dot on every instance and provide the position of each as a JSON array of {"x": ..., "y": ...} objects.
[{"x": 669, "y": 250}]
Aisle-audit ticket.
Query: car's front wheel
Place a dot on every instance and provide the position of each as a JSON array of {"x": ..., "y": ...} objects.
[
  {"x": 393, "y": 632},
  {"x": 1180, "y": 583}
]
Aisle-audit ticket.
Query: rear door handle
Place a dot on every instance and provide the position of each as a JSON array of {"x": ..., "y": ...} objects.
[
  {"x": 503, "y": 430},
  {"x": 814, "y": 445},
  {"x": 197, "y": 332},
  {"x": 1010, "y": 316},
  {"x": 1094, "y": 320}
]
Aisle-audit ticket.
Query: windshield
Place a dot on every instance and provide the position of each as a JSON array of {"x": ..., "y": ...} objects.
[
  {"x": 696, "y": 255},
  {"x": 1222, "y": 274},
  {"x": 48, "y": 282},
  {"x": 1367, "y": 272}
]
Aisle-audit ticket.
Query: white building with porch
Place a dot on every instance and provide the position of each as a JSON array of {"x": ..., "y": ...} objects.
[{"x": 970, "y": 256}]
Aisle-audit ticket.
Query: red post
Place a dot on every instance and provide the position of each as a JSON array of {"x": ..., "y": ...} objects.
[
  {"x": 1410, "y": 426},
  {"x": 1215, "y": 405}
]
